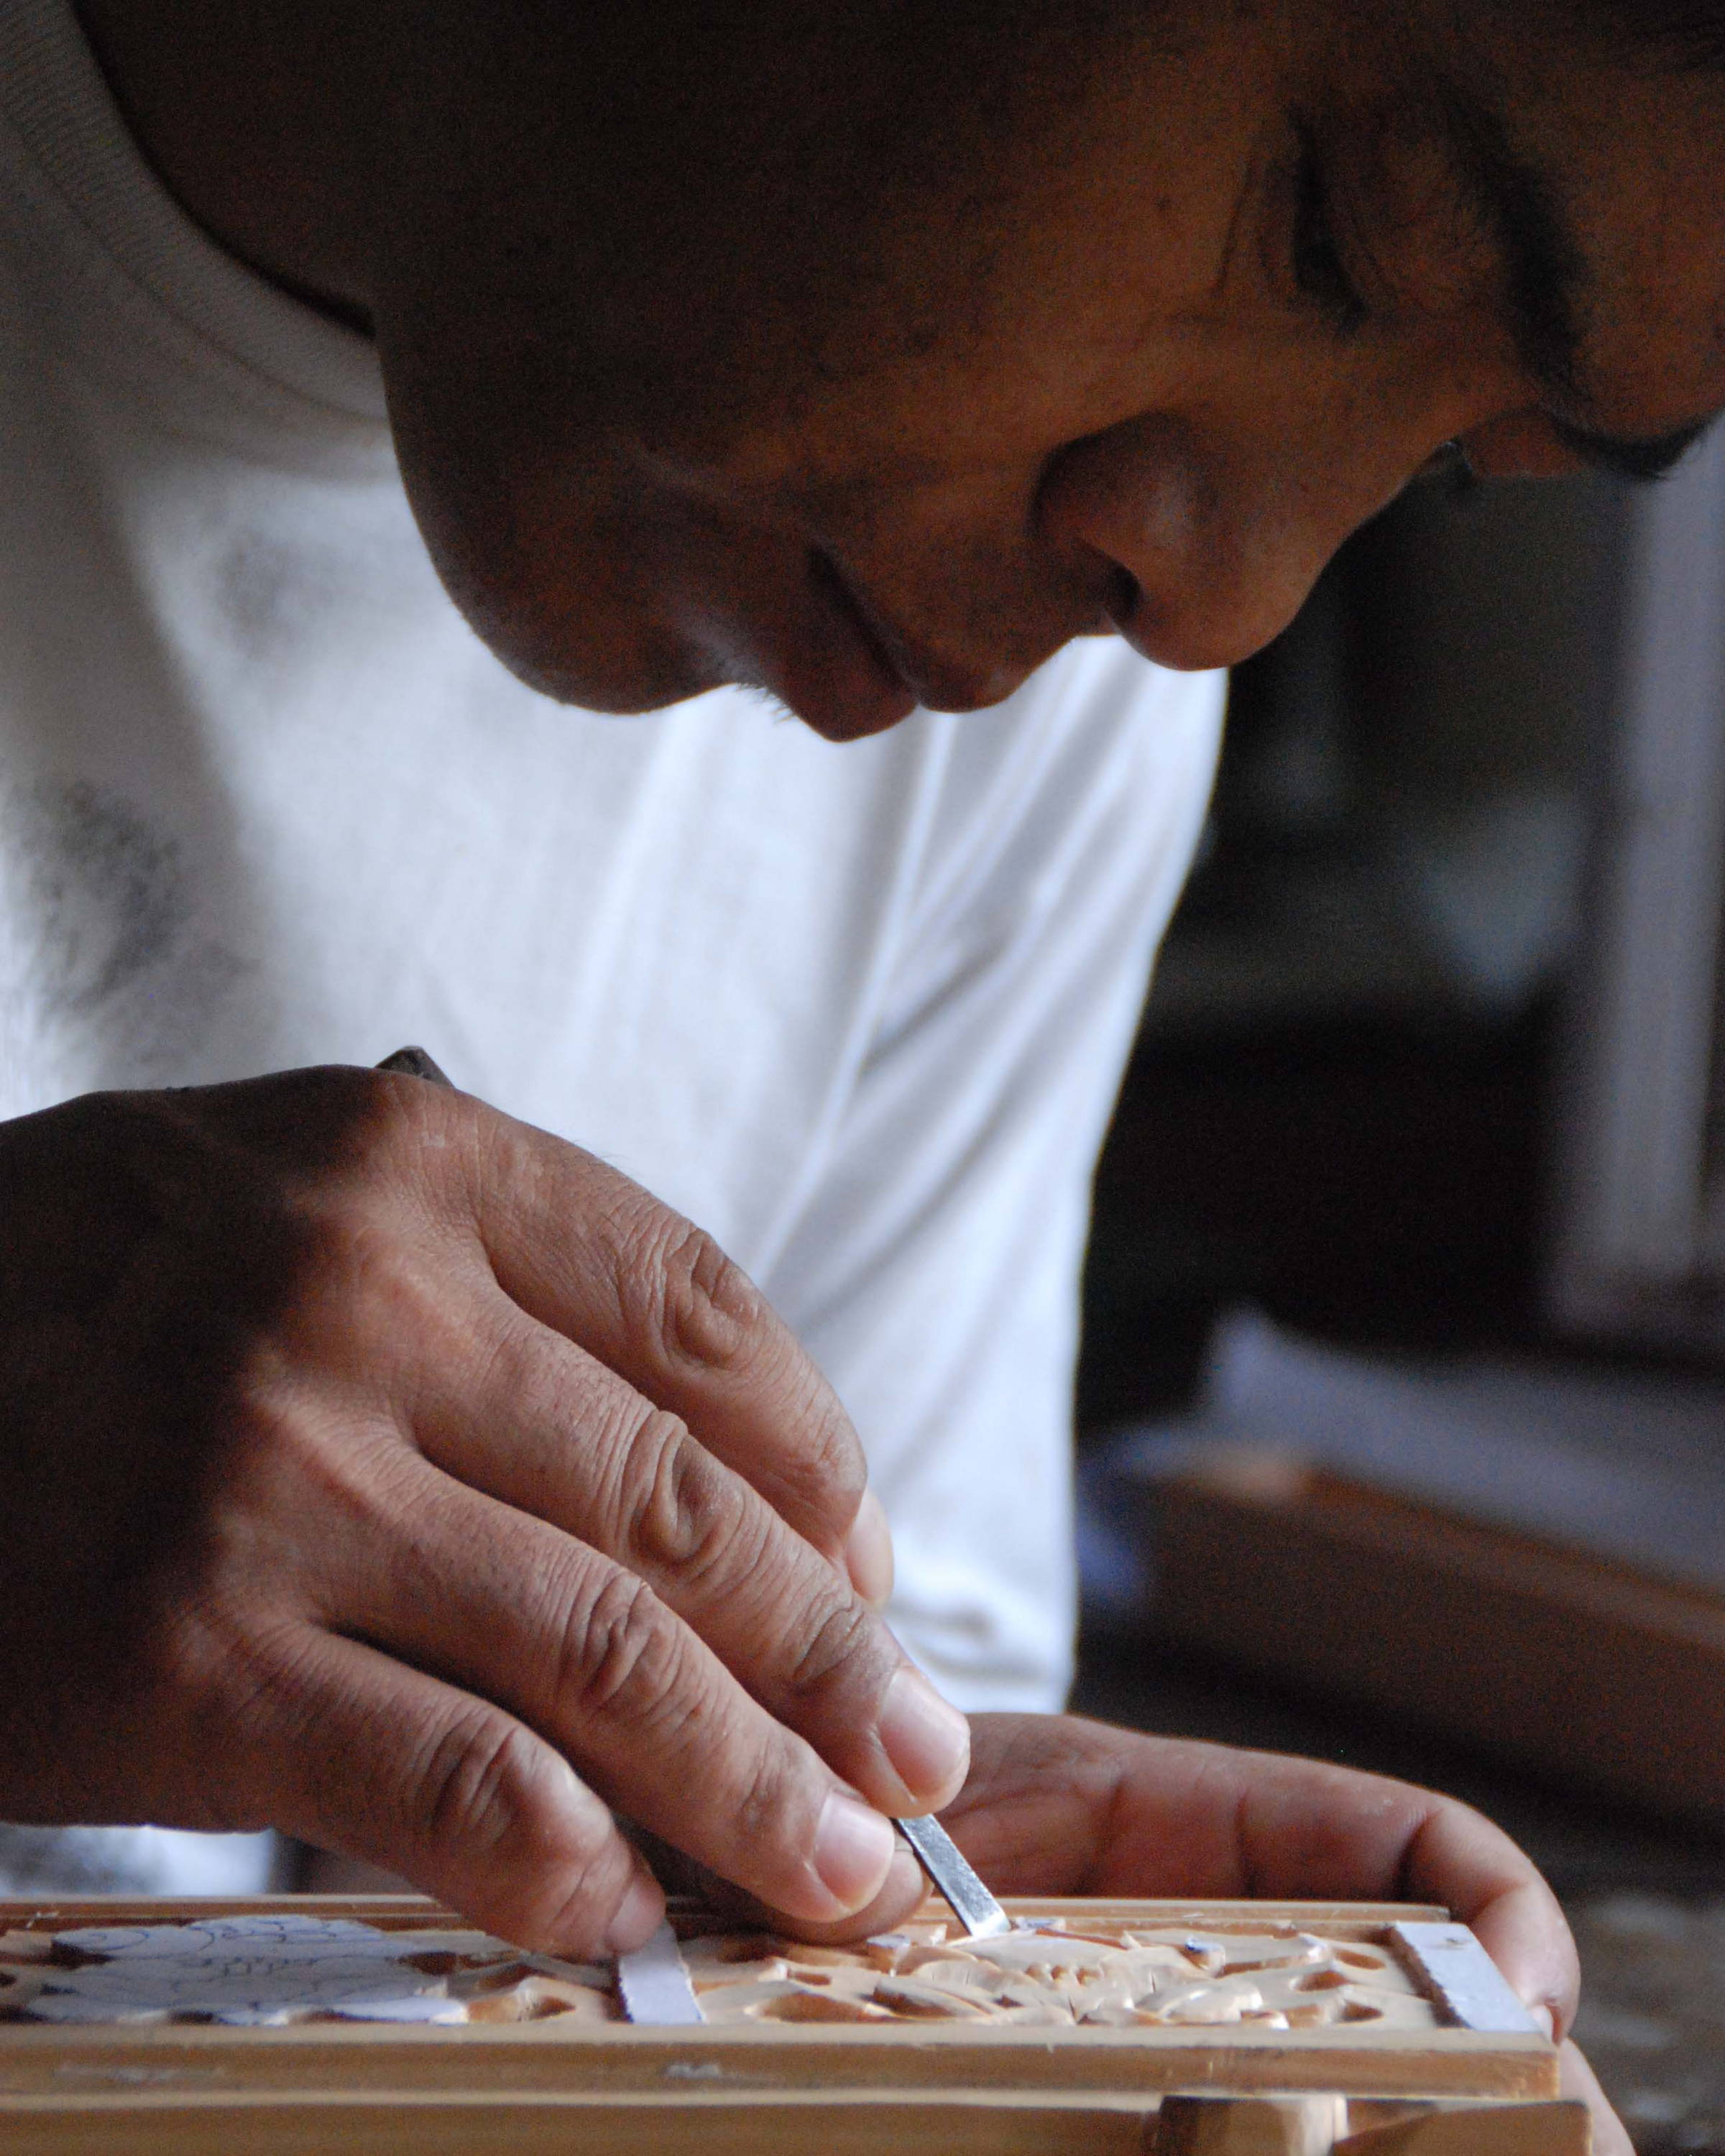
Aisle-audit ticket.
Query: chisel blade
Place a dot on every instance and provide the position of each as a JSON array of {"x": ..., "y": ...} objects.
[{"x": 975, "y": 1908}]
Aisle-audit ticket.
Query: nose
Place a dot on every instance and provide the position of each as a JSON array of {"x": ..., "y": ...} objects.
[{"x": 1211, "y": 541}]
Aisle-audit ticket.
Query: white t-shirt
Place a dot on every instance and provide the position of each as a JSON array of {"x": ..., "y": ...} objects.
[{"x": 265, "y": 801}]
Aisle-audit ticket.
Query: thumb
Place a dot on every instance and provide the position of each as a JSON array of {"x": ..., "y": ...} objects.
[{"x": 1578, "y": 2080}]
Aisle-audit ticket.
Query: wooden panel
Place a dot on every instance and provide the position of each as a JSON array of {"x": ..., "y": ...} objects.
[
  {"x": 409, "y": 2126},
  {"x": 1454, "y": 1969},
  {"x": 410, "y": 1911},
  {"x": 1553, "y": 1657},
  {"x": 936, "y": 2123},
  {"x": 1511, "y": 2129},
  {"x": 1443, "y": 2062},
  {"x": 563, "y": 2058}
]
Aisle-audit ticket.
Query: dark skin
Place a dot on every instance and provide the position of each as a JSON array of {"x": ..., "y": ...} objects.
[
  {"x": 368, "y": 1456},
  {"x": 1131, "y": 325},
  {"x": 866, "y": 356}
]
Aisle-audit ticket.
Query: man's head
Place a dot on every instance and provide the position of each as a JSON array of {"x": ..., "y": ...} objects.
[{"x": 868, "y": 354}]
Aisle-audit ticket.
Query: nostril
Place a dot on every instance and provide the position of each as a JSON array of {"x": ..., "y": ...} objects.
[{"x": 1123, "y": 595}]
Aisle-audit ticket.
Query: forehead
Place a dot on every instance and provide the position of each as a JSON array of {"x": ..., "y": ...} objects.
[{"x": 983, "y": 167}]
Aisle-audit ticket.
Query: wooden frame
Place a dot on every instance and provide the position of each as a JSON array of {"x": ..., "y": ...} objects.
[
  {"x": 1555, "y": 1657},
  {"x": 962, "y": 2090}
]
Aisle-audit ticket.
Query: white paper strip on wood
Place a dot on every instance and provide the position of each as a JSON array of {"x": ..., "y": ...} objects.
[
  {"x": 652, "y": 1983},
  {"x": 1462, "y": 1977}
]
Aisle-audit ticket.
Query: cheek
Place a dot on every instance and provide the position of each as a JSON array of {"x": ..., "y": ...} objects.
[{"x": 553, "y": 577}]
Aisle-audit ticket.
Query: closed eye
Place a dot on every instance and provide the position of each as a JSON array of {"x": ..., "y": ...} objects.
[
  {"x": 1319, "y": 270},
  {"x": 1631, "y": 457}
]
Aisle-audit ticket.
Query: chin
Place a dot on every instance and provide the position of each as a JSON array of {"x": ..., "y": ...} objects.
[
  {"x": 568, "y": 609},
  {"x": 624, "y": 686},
  {"x": 589, "y": 651}
]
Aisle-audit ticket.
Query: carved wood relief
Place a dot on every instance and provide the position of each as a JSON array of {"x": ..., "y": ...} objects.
[{"x": 274, "y": 1971}]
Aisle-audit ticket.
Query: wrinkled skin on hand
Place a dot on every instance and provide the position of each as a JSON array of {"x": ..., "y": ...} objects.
[{"x": 381, "y": 1470}]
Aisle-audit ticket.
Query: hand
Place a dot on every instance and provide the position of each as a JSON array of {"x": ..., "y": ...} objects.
[
  {"x": 1059, "y": 1806},
  {"x": 378, "y": 1469}
]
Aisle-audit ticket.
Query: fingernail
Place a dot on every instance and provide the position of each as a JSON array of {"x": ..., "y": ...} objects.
[
  {"x": 1546, "y": 2020},
  {"x": 638, "y": 1916},
  {"x": 868, "y": 1551},
  {"x": 853, "y": 1848},
  {"x": 927, "y": 1741},
  {"x": 906, "y": 1881}
]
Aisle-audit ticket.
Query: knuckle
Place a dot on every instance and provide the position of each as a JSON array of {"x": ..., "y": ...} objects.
[
  {"x": 703, "y": 1317},
  {"x": 354, "y": 1263},
  {"x": 370, "y": 1303},
  {"x": 296, "y": 1473},
  {"x": 234, "y": 1686},
  {"x": 413, "y": 1141},
  {"x": 690, "y": 1518},
  {"x": 838, "y": 1643},
  {"x": 620, "y": 1648},
  {"x": 475, "y": 1784},
  {"x": 763, "y": 1801},
  {"x": 292, "y": 1493},
  {"x": 590, "y": 1876},
  {"x": 259, "y": 1677},
  {"x": 399, "y": 1110},
  {"x": 683, "y": 1294}
]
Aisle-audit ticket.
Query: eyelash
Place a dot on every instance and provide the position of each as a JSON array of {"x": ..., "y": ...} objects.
[{"x": 1319, "y": 270}]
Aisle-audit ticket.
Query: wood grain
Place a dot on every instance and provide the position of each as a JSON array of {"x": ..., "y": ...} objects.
[
  {"x": 414, "y": 2126},
  {"x": 1514, "y": 2129}
]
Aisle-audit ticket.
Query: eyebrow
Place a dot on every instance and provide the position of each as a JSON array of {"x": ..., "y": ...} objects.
[{"x": 1546, "y": 278}]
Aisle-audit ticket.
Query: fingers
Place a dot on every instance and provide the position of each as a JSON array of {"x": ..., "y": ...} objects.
[
  {"x": 555, "y": 1435},
  {"x": 594, "y": 1257},
  {"x": 579, "y": 1648},
  {"x": 361, "y": 1755},
  {"x": 868, "y": 1553},
  {"x": 1056, "y": 1805},
  {"x": 1456, "y": 1856},
  {"x": 423, "y": 1217},
  {"x": 900, "y": 1892}
]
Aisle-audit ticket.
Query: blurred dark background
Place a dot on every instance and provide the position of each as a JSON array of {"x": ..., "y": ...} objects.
[{"x": 1350, "y": 1154}]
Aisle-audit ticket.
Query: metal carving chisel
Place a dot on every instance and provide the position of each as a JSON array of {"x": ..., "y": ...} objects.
[{"x": 975, "y": 1908}]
